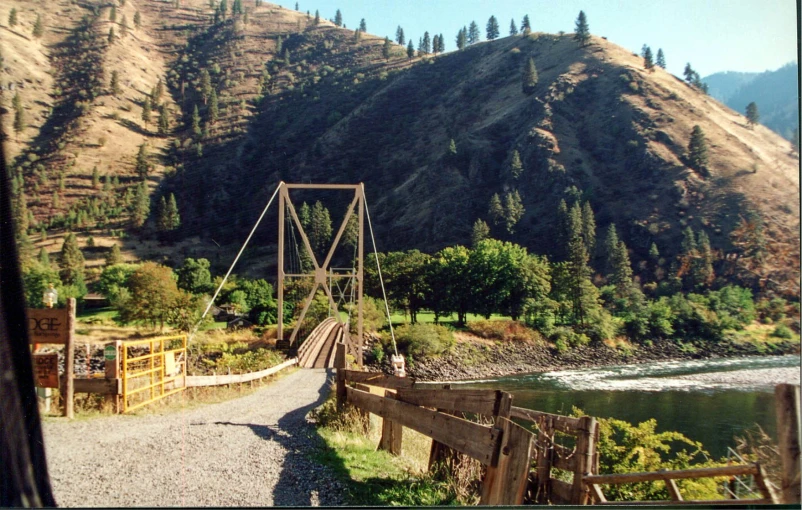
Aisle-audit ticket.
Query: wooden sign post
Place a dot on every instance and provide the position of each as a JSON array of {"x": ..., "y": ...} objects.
[{"x": 57, "y": 326}]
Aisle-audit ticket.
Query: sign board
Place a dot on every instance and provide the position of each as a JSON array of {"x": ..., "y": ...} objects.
[
  {"x": 110, "y": 352},
  {"x": 45, "y": 369},
  {"x": 48, "y": 325}
]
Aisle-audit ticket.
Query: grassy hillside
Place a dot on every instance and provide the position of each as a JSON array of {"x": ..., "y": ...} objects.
[{"x": 310, "y": 102}]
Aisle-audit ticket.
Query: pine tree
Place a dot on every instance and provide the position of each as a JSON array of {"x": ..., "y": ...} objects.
[
  {"x": 473, "y": 33},
  {"x": 648, "y": 59},
  {"x": 19, "y": 115},
  {"x": 410, "y": 49},
  {"x": 654, "y": 253},
  {"x": 236, "y": 7},
  {"x": 589, "y": 228},
  {"x": 196, "y": 127},
  {"x": 213, "y": 112},
  {"x": 526, "y": 26},
  {"x": 44, "y": 257},
  {"x": 113, "y": 256},
  {"x": 38, "y": 27},
  {"x": 111, "y": 35},
  {"x": 688, "y": 242},
  {"x": 492, "y": 28},
  {"x": 513, "y": 28},
  {"x": 513, "y": 210},
  {"x": 363, "y": 27},
  {"x": 702, "y": 268},
  {"x": 161, "y": 215},
  {"x": 317, "y": 17},
  {"x": 496, "y": 210},
  {"x": 697, "y": 150},
  {"x": 387, "y": 48},
  {"x": 12, "y": 17},
  {"x": 206, "y": 85},
  {"x": 661, "y": 58},
  {"x": 689, "y": 73},
  {"x": 452, "y": 148},
  {"x": 426, "y": 46},
  {"x": 71, "y": 261},
  {"x": 164, "y": 121},
  {"x": 399, "y": 35},
  {"x": 530, "y": 77},
  {"x": 224, "y": 8},
  {"x": 480, "y": 232},
  {"x": 141, "y": 208},
  {"x": 621, "y": 275},
  {"x": 435, "y": 44},
  {"x": 156, "y": 93},
  {"x": 582, "y": 34},
  {"x": 21, "y": 220},
  {"x": 338, "y": 18},
  {"x": 146, "y": 110},
  {"x": 137, "y": 19},
  {"x": 173, "y": 217},
  {"x": 320, "y": 227},
  {"x": 441, "y": 45},
  {"x": 462, "y": 38},
  {"x": 610, "y": 249},
  {"x": 516, "y": 166},
  {"x": 115, "y": 84},
  {"x": 124, "y": 27},
  {"x": 141, "y": 165},
  {"x": 95, "y": 177},
  {"x": 113, "y": 14},
  {"x": 752, "y": 115},
  {"x": 357, "y": 35}
]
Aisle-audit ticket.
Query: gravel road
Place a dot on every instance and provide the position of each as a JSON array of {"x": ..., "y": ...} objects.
[{"x": 251, "y": 451}]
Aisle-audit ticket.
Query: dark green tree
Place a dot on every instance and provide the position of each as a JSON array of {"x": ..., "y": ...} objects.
[
  {"x": 137, "y": 19},
  {"x": 317, "y": 17},
  {"x": 114, "y": 256},
  {"x": 441, "y": 44},
  {"x": 146, "y": 111},
  {"x": 526, "y": 26},
  {"x": 648, "y": 58},
  {"x": 12, "y": 17},
  {"x": 387, "y": 48},
  {"x": 689, "y": 73},
  {"x": 205, "y": 86},
  {"x": 95, "y": 177},
  {"x": 513, "y": 210},
  {"x": 582, "y": 32},
  {"x": 611, "y": 242},
  {"x": 156, "y": 93},
  {"x": 399, "y": 36},
  {"x": 19, "y": 115},
  {"x": 236, "y": 7},
  {"x": 161, "y": 215},
  {"x": 492, "y": 28},
  {"x": 173, "y": 216},
  {"x": 473, "y": 33},
  {"x": 621, "y": 276},
  {"x": 113, "y": 14},
  {"x": 752, "y": 115},
  {"x": 164, "y": 121},
  {"x": 530, "y": 77},
  {"x": 196, "y": 127},
  {"x": 513, "y": 27},
  {"x": 194, "y": 276},
  {"x": 363, "y": 27},
  {"x": 357, "y": 35},
  {"x": 481, "y": 231},
  {"x": 213, "y": 111},
  {"x": 496, "y": 210},
  {"x": 44, "y": 257},
  {"x": 516, "y": 166},
  {"x": 141, "y": 208},
  {"x": 38, "y": 27},
  {"x": 111, "y": 35},
  {"x": 435, "y": 44},
  {"x": 589, "y": 228},
  {"x": 141, "y": 165},
  {"x": 661, "y": 58},
  {"x": 115, "y": 84},
  {"x": 462, "y": 38},
  {"x": 71, "y": 261},
  {"x": 426, "y": 46},
  {"x": 338, "y": 18},
  {"x": 702, "y": 267},
  {"x": 697, "y": 150},
  {"x": 410, "y": 49},
  {"x": 319, "y": 228}
]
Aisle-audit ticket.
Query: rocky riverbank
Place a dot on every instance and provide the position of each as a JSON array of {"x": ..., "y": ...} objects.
[{"x": 479, "y": 360}]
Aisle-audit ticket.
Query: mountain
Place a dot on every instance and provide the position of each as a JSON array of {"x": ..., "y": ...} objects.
[
  {"x": 776, "y": 94},
  {"x": 302, "y": 101}
]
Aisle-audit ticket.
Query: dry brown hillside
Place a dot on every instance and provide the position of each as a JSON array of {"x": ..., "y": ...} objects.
[{"x": 301, "y": 101}]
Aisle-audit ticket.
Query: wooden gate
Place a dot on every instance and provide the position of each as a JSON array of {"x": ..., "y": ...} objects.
[{"x": 152, "y": 369}]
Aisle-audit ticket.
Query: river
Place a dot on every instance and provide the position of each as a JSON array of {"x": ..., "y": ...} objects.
[{"x": 710, "y": 401}]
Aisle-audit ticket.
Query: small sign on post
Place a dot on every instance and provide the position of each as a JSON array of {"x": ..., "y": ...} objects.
[
  {"x": 45, "y": 367},
  {"x": 57, "y": 326}
]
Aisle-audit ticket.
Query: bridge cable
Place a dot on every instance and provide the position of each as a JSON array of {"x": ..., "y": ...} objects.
[
  {"x": 378, "y": 266},
  {"x": 256, "y": 225}
]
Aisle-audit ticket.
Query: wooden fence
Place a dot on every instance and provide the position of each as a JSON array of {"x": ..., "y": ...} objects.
[{"x": 556, "y": 464}]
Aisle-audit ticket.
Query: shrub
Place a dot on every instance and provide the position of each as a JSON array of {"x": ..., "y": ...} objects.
[
  {"x": 423, "y": 340},
  {"x": 565, "y": 337},
  {"x": 782, "y": 331},
  {"x": 507, "y": 331}
]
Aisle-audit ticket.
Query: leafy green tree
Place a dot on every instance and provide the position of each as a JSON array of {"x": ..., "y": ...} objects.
[
  {"x": 338, "y": 18},
  {"x": 12, "y": 17},
  {"x": 146, "y": 110},
  {"x": 387, "y": 48},
  {"x": 154, "y": 294},
  {"x": 141, "y": 165},
  {"x": 114, "y": 256},
  {"x": 38, "y": 27},
  {"x": 113, "y": 283},
  {"x": 36, "y": 278},
  {"x": 473, "y": 33},
  {"x": 137, "y": 19},
  {"x": 462, "y": 38},
  {"x": 141, "y": 208},
  {"x": 194, "y": 276},
  {"x": 405, "y": 280},
  {"x": 697, "y": 150},
  {"x": 516, "y": 166},
  {"x": 530, "y": 77},
  {"x": 513, "y": 27},
  {"x": 513, "y": 210},
  {"x": 492, "y": 28},
  {"x": 582, "y": 32},
  {"x": 648, "y": 58},
  {"x": 71, "y": 261},
  {"x": 164, "y": 121},
  {"x": 196, "y": 127},
  {"x": 661, "y": 58},
  {"x": 480, "y": 232},
  {"x": 752, "y": 115},
  {"x": 526, "y": 26},
  {"x": 496, "y": 210},
  {"x": 450, "y": 289},
  {"x": 410, "y": 49},
  {"x": 399, "y": 35},
  {"x": 213, "y": 110},
  {"x": 115, "y": 84}
]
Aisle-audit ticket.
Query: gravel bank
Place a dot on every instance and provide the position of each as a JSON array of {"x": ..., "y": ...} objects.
[
  {"x": 251, "y": 451},
  {"x": 760, "y": 376}
]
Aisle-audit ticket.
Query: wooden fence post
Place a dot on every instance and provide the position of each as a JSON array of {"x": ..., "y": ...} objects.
[
  {"x": 392, "y": 433},
  {"x": 67, "y": 389},
  {"x": 342, "y": 396},
  {"x": 585, "y": 457},
  {"x": 786, "y": 398},
  {"x": 545, "y": 449},
  {"x": 505, "y": 483}
]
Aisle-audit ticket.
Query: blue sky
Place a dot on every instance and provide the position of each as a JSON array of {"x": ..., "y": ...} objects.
[{"x": 713, "y": 35}]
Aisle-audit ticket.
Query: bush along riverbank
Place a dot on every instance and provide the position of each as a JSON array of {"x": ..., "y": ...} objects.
[{"x": 469, "y": 356}]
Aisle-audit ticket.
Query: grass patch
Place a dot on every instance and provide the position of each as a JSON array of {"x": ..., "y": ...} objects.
[
  {"x": 428, "y": 317},
  {"x": 504, "y": 330}
]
